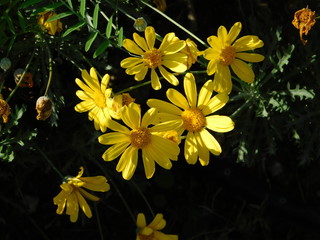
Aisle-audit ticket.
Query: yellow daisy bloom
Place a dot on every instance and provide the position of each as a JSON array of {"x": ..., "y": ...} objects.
[
  {"x": 127, "y": 142},
  {"x": 149, "y": 57},
  {"x": 94, "y": 96},
  {"x": 191, "y": 114},
  {"x": 152, "y": 231},
  {"x": 72, "y": 194},
  {"x": 225, "y": 52},
  {"x": 53, "y": 26}
]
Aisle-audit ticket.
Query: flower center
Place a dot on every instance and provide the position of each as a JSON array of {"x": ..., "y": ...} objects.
[
  {"x": 193, "y": 119},
  {"x": 140, "y": 137},
  {"x": 153, "y": 58},
  {"x": 99, "y": 99},
  {"x": 146, "y": 237},
  {"x": 227, "y": 55}
]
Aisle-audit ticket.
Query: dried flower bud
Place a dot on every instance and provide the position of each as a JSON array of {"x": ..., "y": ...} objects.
[
  {"x": 5, "y": 63},
  {"x": 43, "y": 107},
  {"x": 140, "y": 24},
  {"x": 27, "y": 78},
  {"x": 304, "y": 19},
  {"x": 161, "y": 5},
  {"x": 4, "y": 110}
]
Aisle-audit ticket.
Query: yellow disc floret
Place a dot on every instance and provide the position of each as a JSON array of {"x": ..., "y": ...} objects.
[
  {"x": 153, "y": 58},
  {"x": 227, "y": 55},
  {"x": 100, "y": 99},
  {"x": 193, "y": 119},
  {"x": 140, "y": 137}
]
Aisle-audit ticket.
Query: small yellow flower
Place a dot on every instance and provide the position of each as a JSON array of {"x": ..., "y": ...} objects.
[
  {"x": 116, "y": 103},
  {"x": 190, "y": 114},
  {"x": 152, "y": 230},
  {"x": 304, "y": 19},
  {"x": 128, "y": 142},
  {"x": 148, "y": 57},
  {"x": 94, "y": 96},
  {"x": 226, "y": 51},
  {"x": 4, "y": 110},
  {"x": 72, "y": 194},
  {"x": 53, "y": 26}
]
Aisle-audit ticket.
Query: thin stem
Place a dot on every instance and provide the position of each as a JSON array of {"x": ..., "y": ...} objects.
[
  {"x": 175, "y": 23},
  {"x": 133, "y": 87},
  {"x": 50, "y": 70},
  {"x": 50, "y": 163},
  {"x": 22, "y": 76},
  {"x": 143, "y": 197},
  {"x": 98, "y": 221}
]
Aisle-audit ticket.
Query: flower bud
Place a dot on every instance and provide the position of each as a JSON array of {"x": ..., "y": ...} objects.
[
  {"x": 5, "y": 63},
  {"x": 43, "y": 107},
  {"x": 4, "y": 110},
  {"x": 140, "y": 24}
]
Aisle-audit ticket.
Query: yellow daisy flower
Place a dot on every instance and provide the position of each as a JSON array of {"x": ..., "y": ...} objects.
[
  {"x": 72, "y": 194},
  {"x": 225, "y": 52},
  {"x": 94, "y": 96},
  {"x": 127, "y": 142},
  {"x": 152, "y": 231},
  {"x": 149, "y": 57},
  {"x": 191, "y": 114},
  {"x": 53, "y": 26}
]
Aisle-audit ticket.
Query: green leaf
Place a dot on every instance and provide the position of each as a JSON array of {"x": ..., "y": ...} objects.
[
  {"x": 21, "y": 21},
  {"x": 103, "y": 46},
  {"x": 73, "y": 28},
  {"x": 29, "y": 3},
  {"x": 90, "y": 40},
  {"x": 120, "y": 37},
  {"x": 50, "y": 7},
  {"x": 70, "y": 3},
  {"x": 109, "y": 27},
  {"x": 59, "y": 16},
  {"x": 95, "y": 16},
  {"x": 83, "y": 8}
]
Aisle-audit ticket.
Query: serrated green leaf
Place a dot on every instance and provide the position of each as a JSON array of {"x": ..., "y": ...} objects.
[
  {"x": 83, "y": 8},
  {"x": 90, "y": 40},
  {"x": 103, "y": 46},
  {"x": 109, "y": 27},
  {"x": 50, "y": 7},
  {"x": 73, "y": 28},
  {"x": 120, "y": 37},
  {"x": 95, "y": 16},
  {"x": 29, "y": 3},
  {"x": 59, "y": 16}
]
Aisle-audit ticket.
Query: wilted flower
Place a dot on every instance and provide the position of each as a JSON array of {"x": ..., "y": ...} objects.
[
  {"x": 5, "y": 63},
  {"x": 72, "y": 194},
  {"x": 53, "y": 26},
  {"x": 27, "y": 78},
  {"x": 304, "y": 19},
  {"x": 4, "y": 110},
  {"x": 152, "y": 230},
  {"x": 43, "y": 107},
  {"x": 140, "y": 24},
  {"x": 116, "y": 103}
]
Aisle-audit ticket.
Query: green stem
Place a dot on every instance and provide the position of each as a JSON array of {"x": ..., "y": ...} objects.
[
  {"x": 175, "y": 23},
  {"x": 133, "y": 87},
  {"x": 21, "y": 78},
  {"x": 50, "y": 71}
]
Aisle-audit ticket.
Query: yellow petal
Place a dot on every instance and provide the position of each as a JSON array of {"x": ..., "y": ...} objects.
[
  {"x": 130, "y": 62},
  {"x": 156, "y": 155},
  {"x": 190, "y": 149},
  {"x": 158, "y": 222},
  {"x": 234, "y": 32},
  {"x": 177, "y": 98},
  {"x": 131, "y": 115},
  {"x": 211, "y": 54},
  {"x": 212, "y": 66},
  {"x": 114, "y": 151},
  {"x": 135, "y": 69},
  {"x": 155, "y": 83},
  {"x": 101, "y": 186},
  {"x": 141, "y": 221},
  {"x": 243, "y": 71},
  {"x": 205, "y": 94},
  {"x": 249, "y": 42},
  {"x": 175, "y": 66},
  {"x": 140, "y": 41},
  {"x": 163, "y": 106},
  {"x": 150, "y": 36},
  {"x": 204, "y": 155},
  {"x": 84, "y": 106},
  {"x": 215, "y": 103},
  {"x": 222, "y": 79},
  {"x": 142, "y": 74},
  {"x": 113, "y": 138},
  {"x": 60, "y": 200},
  {"x": 128, "y": 162},
  {"x": 168, "y": 148},
  {"x": 84, "y": 205},
  {"x": 91, "y": 82},
  {"x": 190, "y": 89},
  {"x": 148, "y": 164},
  {"x": 222, "y": 34},
  {"x": 169, "y": 76},
  {"x": 72, "y": 207},
  {"x": 214, "y": 43},
  {"x": 174, "y": 47},
  {"x": 169, "y": 125},
  {"x": 250, "y": 57},
  {"x": 88, "y": 195},
  {"x": 83, "y": 86},
  {"x": 210, "y": 142},
  {"x": 132, "y": 47},
  {"x": 219, "y": 123},
  {"x": 149, "y": 117},
  {"x": 117, "y": 127}
]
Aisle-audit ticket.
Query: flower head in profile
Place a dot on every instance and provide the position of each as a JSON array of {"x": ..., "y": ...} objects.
[
  {"x": 4, "y": 110},
  {"x": 94, "y": 98},
  {"x": 192, "y": 52},
  {"x": 304, "y": 19},
  {"x": 167, "y": 56},
  {"x": 116, "y": 103},
  {"x": 139, "y": 136},
  {"x": 52, "y": 26},
  {"x": 72, "y": 195},
  {"x": 191, "y": 114},
  {"x": 152, "y": 231},
  {"x": 225, "y": 51}
]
